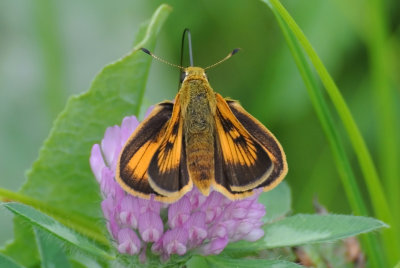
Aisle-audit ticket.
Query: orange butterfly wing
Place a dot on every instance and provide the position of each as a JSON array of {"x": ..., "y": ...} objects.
[
  {"x": 168, "y": 173},
  {"x": 264, "y": 137},
  {"x": 242, "y": 161},
  {"x": 135, "y": 157}
]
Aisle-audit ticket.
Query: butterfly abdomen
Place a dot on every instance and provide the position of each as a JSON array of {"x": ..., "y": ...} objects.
[{"x": 199, "y": 132}]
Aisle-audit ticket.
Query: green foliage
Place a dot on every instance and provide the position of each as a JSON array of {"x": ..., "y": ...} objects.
[
  {"x": 51, "y": 252},
  {"x": 64, "y": 159},
  {"x": 277, "y": 201},
  {"x": 220, "y": 261},
  {"x": 291, "y": 231},
  {"x": 116, "y": 92},
  {"x": 60, "y": 181},
  {"x": 303, "y": 229},
  {"x": 7, "y": 262},
  {"x": 23, "y": 235},
  {"x": 49, "y": 225}
]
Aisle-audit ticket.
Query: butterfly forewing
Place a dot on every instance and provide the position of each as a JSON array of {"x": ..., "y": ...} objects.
[
  {"x": 167, "y": 171},
  {"x": 241, "y": 162},
  {"x": 267, "y": 140},
  {"x": 138, "y": 151}
]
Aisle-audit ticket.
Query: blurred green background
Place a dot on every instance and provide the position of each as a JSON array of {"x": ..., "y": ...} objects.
[{"x": 51, "y": 49}]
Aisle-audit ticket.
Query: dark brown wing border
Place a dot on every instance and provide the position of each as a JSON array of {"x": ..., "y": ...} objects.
[
  {"x": 267, "y": 140},
  {"x": 131, "y": 173}
]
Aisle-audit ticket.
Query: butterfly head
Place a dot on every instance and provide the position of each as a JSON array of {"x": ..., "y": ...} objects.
[{"x": 194, "y": 73}]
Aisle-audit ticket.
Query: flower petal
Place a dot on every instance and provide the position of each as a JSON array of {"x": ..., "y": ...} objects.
[
  {"x": 108, "y": 207},
  {"x": 196, "y": 226},
  {"x": 109, "y": 186},
  {"x": 96, "y": 161},
  {"x": 150, "y": 226},
  {"x": 174, "y": 241},
  {"x": 179, "y": 212},
  {"x": 111, "y": 146},
  {"x": 129, "y": 211},
  {"x": 148, "y": 111},
  {"x": 212, "y": 206},
  {"x": 215, "y": 246},
  {"x": 254, "y": 235},
  {"x": 149, "y": 205},
  {"x": 128, "y": 242},
  {"x": 129, "y": 124}
]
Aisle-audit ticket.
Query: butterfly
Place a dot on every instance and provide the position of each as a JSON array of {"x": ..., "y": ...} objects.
[{"x": 203, "y": 140}]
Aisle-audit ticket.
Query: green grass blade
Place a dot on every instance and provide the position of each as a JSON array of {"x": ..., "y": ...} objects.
[
  {"x": 376, "y": 193},
  {"x": 385, "y": 102},
  {"x": 326, "y": 120},
  {"x": 336, "y": 145},
  {"x": 49, "y": 31}
]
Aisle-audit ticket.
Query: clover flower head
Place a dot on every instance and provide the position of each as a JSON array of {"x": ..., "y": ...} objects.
[{"x": 194, "y": 223}]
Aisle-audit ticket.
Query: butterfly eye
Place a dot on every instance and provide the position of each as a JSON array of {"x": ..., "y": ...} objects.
[{"x": 183, "y": 76}]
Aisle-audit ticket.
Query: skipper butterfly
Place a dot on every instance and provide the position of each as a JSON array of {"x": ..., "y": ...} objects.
[{"x": 200, "y": 139}]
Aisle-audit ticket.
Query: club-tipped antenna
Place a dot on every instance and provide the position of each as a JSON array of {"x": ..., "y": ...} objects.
[
  {"x": 160, "y": 59},
  {"x": 236, "y": 50}
]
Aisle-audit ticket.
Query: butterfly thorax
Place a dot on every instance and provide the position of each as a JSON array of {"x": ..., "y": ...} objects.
[{"x": 198, "y": 109}]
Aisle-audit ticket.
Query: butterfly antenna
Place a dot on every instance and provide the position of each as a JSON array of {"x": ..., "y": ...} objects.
[
  {"x": 160, "y": 59},
  {"x": 236, "y": 50},
  {"x": 186, "y": 32}
]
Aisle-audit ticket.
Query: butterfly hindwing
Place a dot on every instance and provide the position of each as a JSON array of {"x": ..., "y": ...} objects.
[
  {"x": 138, "y": 151},
  {"x": 241, "y": 162},
  {"x": 267, "y": 140},
  {"x": 168, "y": 173}
]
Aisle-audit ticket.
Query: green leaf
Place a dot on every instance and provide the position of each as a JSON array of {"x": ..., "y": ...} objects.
[
  {"x": 302, "y": 229},
  {"x": 50, "y": 225},
  {"x": 277, "y": 202},
  {"x": 221, "y": 261},
  {"x": 60, "y": 182},
  {"x": 79, "y": 260},
  {"x": 197, "y": 262},
  {"x": 17, "y": 249},
  {"x": 50, "y": 250},
  {"x": 7, "y": 262}
]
